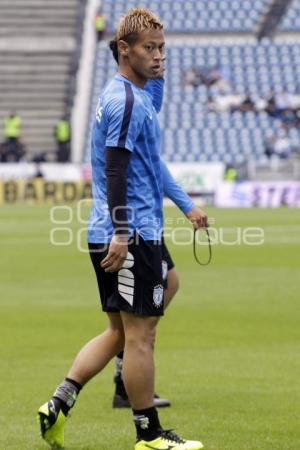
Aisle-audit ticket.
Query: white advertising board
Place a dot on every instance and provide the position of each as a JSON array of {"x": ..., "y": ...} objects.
[
  {"x": 197, "y": 178},
  {"x": 258, "y": 194},
  {"x": 50, "y": 171},
  {"x": 13, "y": 171},
  {"x": 61, "y": 172}
]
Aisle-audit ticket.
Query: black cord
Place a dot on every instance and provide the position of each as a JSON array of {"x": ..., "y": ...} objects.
[{"x": 209, "y": 249}]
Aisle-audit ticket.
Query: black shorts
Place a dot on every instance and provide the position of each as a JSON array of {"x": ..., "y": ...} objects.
[
  {"x": 167, "y": 263},
  {"x": 138, "y": 287}
]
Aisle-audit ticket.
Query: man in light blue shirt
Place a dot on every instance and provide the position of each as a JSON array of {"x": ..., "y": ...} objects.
[{"x": 126, "y": 246}]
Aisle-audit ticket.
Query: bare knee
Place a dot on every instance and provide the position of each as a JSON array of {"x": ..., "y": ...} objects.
[
  {"x": 141, "y": 335},
  {"x": 139, "y": 347}
]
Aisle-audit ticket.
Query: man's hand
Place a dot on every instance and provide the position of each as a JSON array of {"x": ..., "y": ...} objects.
[
  {"x": 117, "y": 252},
  {"x": 198, "y": 218}
]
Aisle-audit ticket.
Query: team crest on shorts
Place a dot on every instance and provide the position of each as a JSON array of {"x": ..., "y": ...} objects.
[{"x": 158, "y": 295}]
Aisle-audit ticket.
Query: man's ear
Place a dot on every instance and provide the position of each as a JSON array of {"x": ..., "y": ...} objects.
[{"x": 123, "y": 48}]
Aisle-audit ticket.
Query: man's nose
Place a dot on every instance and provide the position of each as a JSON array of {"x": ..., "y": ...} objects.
[{"x": 157, "y": 54}]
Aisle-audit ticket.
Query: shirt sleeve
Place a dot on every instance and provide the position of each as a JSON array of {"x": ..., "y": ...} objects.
[
  {"x": 116, "y": 163},
  {"x": 156, "y": 90},
  {"x": 124, "y": 117},
  {"x": 173, "y": 191}
]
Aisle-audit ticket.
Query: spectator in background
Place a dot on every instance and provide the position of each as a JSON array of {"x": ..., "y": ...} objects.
[
  {"x": 217, "y": 77},
  {"x": 289, "y": 118},
  {"x": 247, "y": 104},
  {"x": 11, "y": 154},
  {"x": 230, "y": 102},
  {"x": 271, "y": 108},
  {"x": 282, "y": 101},
  {"x": 211, "y": 104},
  {"x": 285, "y": 107},
  {"x": 192, "y": 77},
  {"x": 100, "y": 25},
  {"x": 63, "y": 139},
  {"x": 208, "y": 76},
  {"x": 278, "y": 145},
  {"x": 230, "y": 173},
  {"x": 12, "y": 150},
  {"x": 12, "y": 128}
]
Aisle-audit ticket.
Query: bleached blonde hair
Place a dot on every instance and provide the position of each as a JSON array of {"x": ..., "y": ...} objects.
[
  {"x": 137, "y": 20},
  {"x": 134, "y": 22}
]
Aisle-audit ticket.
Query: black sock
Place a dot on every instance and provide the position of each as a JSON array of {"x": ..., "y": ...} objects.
[
  {"x": 65, "y": 395},
  {"x": 147, "y": 423},
  {"x": 118, "y": 379},
  {"x": 119, "y": 366},
  {"x": 120, "y": 387},
  {"x": 77, "y": 385}
]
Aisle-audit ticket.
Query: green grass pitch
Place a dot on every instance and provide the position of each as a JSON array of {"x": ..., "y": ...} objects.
[{"x": 227, "y": 349}]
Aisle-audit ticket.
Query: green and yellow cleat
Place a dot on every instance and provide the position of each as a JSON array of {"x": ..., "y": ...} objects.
[
  {"x": 168, "y": 441},
  {"x": 52, "y": 425}
]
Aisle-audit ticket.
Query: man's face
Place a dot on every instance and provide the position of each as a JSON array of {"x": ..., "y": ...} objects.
[{"x": 146, "y": 56}]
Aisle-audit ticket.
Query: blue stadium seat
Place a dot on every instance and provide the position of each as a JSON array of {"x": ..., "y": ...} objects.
[
  {"x": 195, "y": 16},
  {"x": 189, "y": 131}
]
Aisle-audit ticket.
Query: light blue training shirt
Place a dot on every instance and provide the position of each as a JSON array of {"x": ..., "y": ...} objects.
[{"x": 126, "y": 117}]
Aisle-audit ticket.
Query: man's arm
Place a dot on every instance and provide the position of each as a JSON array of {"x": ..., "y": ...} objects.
[
  {"x": 156, "y": 88},
  {"x": 116, "y": 163},
  {"x": 124, "y": 121},
  {"x": 174, "y": 192}
]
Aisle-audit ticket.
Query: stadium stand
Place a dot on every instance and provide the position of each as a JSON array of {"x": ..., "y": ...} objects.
[
  {"x": 191, "y": 132},
  {"x": 39, "y": 44},
  {"x": 199, "y": 16}
]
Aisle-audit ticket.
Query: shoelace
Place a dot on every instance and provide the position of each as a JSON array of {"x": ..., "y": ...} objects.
[{"x": 171, "y": 436}]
